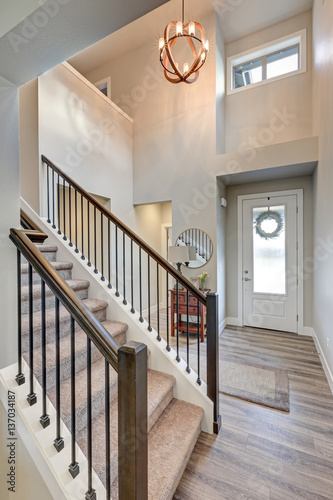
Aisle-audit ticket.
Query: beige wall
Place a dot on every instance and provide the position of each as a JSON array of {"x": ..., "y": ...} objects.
[
  {"x": 9, "y": 217},
  {"x": 323, "y": 200},
  {"x": 232, "y": 192},
  {"x": 250, "y": 111}
]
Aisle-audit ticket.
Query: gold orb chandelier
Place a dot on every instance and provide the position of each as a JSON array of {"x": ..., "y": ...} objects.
[{"x": 194, "y": 33}]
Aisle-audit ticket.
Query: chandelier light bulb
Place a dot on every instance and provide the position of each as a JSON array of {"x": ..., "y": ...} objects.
[
  {"x": 185, "y": 68},
  {"x": 179, "y": 28},
  {"x": 191, "y": 28},
  {"x": 203, "y": 56},
  {"x": 161, "y": 43},
  {"x": 206, "y": 45}
]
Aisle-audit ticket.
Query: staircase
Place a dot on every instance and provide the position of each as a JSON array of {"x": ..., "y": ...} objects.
[{"x": 173, "y": 425}]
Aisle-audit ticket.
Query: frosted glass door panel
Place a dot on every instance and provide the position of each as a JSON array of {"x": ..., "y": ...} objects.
[{"x": 269, "y": 250}]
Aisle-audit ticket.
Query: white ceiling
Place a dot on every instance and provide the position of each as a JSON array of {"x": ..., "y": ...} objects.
[{"x": 238, "y": 18}]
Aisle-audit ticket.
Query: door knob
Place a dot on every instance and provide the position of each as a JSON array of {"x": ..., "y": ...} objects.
[{"x": 247, "y": 279}]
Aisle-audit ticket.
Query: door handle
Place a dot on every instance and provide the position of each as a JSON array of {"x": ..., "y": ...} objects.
[{"x": 247, "y": 279}]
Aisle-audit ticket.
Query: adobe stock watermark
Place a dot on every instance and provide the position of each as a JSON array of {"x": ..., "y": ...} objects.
[
  {"x": 279, "y": 121},
  {"x": 30, "y": 27}
]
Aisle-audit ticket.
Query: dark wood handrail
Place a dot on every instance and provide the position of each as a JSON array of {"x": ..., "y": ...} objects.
[
  {"x": 140, "y": 242},
  {"x": 36, "y": 235},
  {"x": 104, "y": 342}
]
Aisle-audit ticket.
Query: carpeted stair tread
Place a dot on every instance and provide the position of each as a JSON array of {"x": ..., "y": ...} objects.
[
  {"x": 64, "y": 269},
  {"x": 170, "y": 444},
  {"x": 65, "y": 361},
  {"x": 160, "y": 393},
  {"x": 77, "y": 285},
  {"x": 49, "y": 251},
  {"x": 58, "y": 265},
  {"x": 117, "y": 329},
  {"x": 96, "y": 306},
  {"x": 97, "y": 392}
]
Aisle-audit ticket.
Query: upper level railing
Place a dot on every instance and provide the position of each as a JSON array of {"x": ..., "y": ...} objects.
[
  {"x": 130, "y": 361},
  {"x": 138, "y": 274}
]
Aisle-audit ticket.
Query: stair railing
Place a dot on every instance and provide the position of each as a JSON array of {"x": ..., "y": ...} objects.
[
  {"x": 130, "y": 361},
  {"x": 134, "y": 269}
]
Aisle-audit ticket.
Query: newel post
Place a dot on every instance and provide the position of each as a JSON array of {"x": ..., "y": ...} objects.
[
  {"x": 213, "y": 356},
  {"x": 132, "y": 422}
]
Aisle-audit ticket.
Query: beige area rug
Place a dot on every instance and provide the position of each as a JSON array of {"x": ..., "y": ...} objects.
[{"x": 256, "y": 383}]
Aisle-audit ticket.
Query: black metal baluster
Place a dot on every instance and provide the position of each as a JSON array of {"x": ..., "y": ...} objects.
[
  {"x": 70, "y": 214},
  {"x": 91, "y": 494},
  {"x": 132, "y": 283},
  {"x": 32, "y": 397},
  {"x": 109, "y": 253},
  {"x": 102, "y": 249},
  {"x": 44, "y": 419},
  {"x": 117, "y": 277},
  {"x": 159, "y": 338},
  {"x": 168, "y": 347},
  {"x": 82, "y": 230},
  {"x": 95, "y": 241},
  {"x": 76, "y": 248},
  {"x": 107, "y": 432},
  {"x": 64, "y": 206},
  {"x": 48, "y": 193},
  {"x": 188, "y": 369},
  {"x": 53, "y": 201},
  {"x": 124, "y": 269},
  {"x": 149, "y": 312},
  {"x": 58, "y": 442},
  {"x": 58, "y": 204},
  {"x": 88, "y": 214},
  {"x": 199, "y": 381},
  {"x": 20, "y": 378},
  {"x": 178, "y": 320},
  {"x": 140, "y": 281},
  {"x": 74, "y": 467}
]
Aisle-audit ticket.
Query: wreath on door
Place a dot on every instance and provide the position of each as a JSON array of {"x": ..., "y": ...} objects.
[{"x": 262, "y": 218}]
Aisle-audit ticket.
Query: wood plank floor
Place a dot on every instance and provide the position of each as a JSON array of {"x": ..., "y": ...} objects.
[{"x": 264, "y": 454}]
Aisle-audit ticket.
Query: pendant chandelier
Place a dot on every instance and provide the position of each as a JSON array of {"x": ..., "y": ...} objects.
[{"x": 194, "y": 34}]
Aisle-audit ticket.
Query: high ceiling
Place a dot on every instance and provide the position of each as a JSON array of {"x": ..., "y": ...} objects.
[{"x": 238, "y": 18}]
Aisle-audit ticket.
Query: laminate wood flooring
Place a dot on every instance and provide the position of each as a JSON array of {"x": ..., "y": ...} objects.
[{"x": 264, "y": 454}]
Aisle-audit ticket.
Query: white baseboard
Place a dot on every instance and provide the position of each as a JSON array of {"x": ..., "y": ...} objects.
[
  {"x": 233, "y": 321},
  {"x": 323, "y": 360},
  {"x": 223, "y": 325}
]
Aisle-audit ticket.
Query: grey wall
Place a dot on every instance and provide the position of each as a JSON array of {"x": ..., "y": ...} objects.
[
  {"x": 250, "y": 111},
  {"x": 323, "y": 200},
  {"x": 232, "y": 192}
]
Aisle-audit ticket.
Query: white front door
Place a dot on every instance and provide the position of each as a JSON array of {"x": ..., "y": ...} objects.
[{"x": 269, "y": 255}]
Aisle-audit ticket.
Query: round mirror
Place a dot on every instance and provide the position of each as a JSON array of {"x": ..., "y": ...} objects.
[{"x": 202, "y": 244}]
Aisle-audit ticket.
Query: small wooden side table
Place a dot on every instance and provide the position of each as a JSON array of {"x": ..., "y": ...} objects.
[{"x": 192, "y": 310}]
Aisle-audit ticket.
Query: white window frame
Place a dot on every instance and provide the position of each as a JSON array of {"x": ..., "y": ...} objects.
[
  {"x": 104, "y": 84},
  {"x": 298, "y": 37}
]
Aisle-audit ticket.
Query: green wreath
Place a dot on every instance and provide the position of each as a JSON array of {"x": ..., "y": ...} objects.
[{"x": 269, "y": 215}]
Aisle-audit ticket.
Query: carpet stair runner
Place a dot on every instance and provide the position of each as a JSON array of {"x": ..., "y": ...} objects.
[{"x": 173, "y": 425}]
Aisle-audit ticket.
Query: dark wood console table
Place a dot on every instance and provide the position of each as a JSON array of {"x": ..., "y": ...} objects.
[{"x": 192, "y": 310}]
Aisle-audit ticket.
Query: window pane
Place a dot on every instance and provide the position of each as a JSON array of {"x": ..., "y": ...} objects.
[
  {"x": 283, "y": 62},
  {"x": 269, "y": 254},
  {"x": 247, "y": 73}
]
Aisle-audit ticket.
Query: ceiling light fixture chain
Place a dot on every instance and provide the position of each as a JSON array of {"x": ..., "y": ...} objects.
[{"x": 199, "y": 45}]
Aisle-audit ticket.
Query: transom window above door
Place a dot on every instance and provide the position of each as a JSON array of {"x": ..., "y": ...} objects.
[{"x": 270, "y": 62}]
